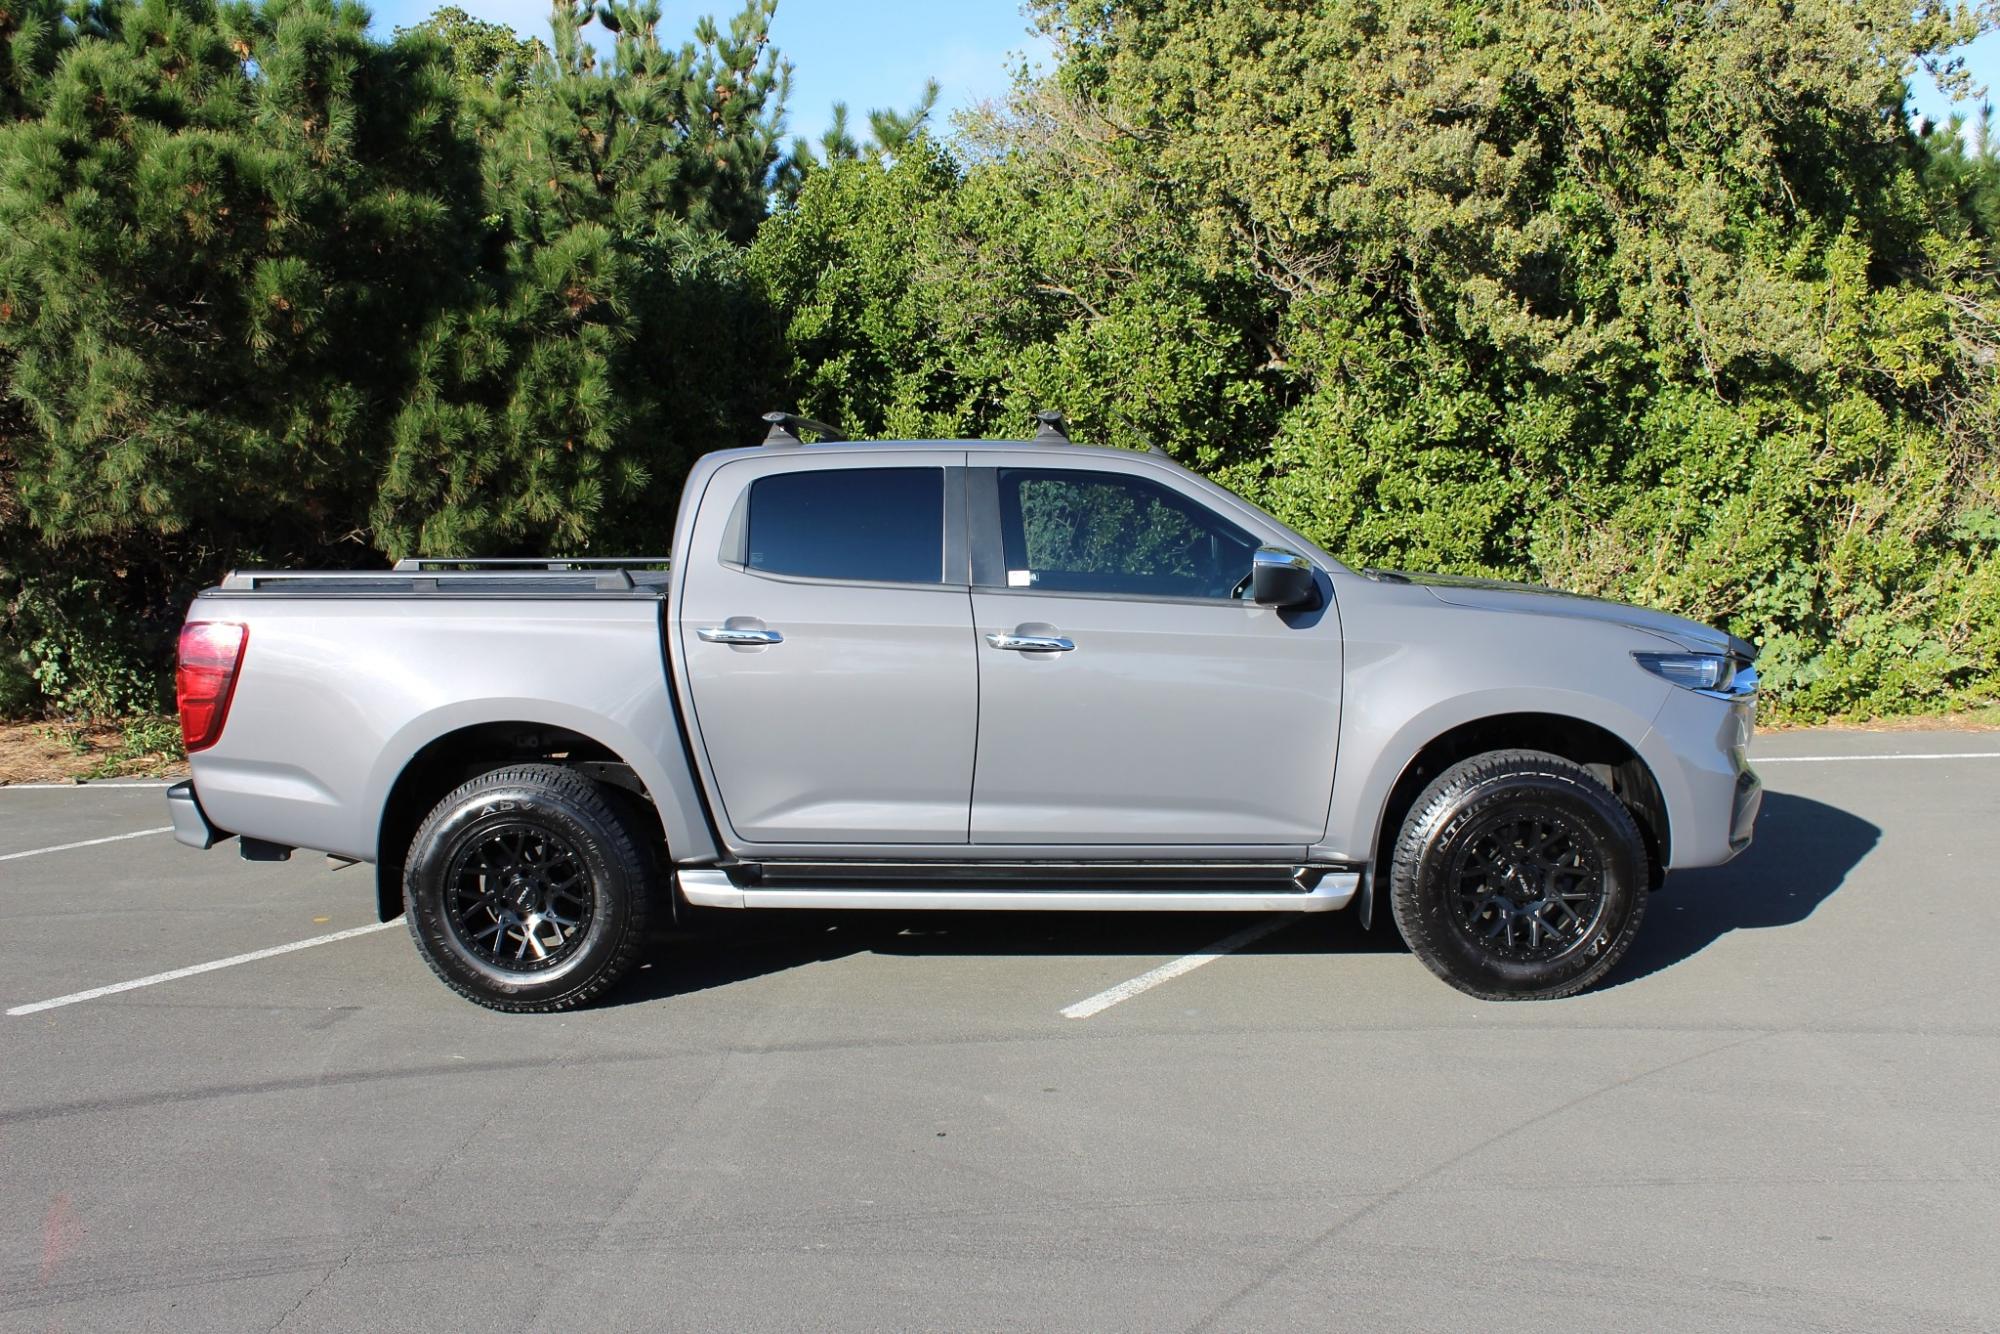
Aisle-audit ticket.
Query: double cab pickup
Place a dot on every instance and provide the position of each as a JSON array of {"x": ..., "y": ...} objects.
[{"x": 985, "y": 674}]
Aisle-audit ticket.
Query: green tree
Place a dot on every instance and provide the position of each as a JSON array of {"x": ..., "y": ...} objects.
[
  {"x": 1962, "y": 167},
  {"x": 1664, "y": 302},
  {"x": 611, "y": 336},
  {"x": 1655, "y": 302},
  {"x": 891, "y": 134},
  {"x": 218, "y": 241},
  {"x": 482, "y": 54},
  {"x": 219, "y": 231},
  {"x": 33, "y": 36}
]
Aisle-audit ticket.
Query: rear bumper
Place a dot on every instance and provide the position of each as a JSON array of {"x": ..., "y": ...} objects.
[{"x": 191, "y": 823}]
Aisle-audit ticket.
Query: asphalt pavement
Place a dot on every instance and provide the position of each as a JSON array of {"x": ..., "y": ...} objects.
[{"x": 1782, "y": 1112}]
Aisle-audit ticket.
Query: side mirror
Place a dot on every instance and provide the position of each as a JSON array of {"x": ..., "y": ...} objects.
[{"x": 1281, "y": 578}]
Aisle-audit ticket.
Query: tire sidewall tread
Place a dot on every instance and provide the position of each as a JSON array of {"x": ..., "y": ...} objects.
[
  {"x": 620, "y": 869},
  {"x": 1455, "y": 800}
]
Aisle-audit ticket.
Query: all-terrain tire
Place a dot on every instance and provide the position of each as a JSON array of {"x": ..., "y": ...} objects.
[
  {"x": 1518, "y": 876},
  {"x": 498, "y": 868}
]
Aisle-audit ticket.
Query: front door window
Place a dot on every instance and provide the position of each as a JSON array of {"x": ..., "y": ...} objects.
[{"x": 1097, "y": 532}]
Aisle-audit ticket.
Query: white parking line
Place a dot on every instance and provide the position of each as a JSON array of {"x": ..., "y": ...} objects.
[
  {"x": 1180, "y": 967},
  {"x": 1842, "y": 759},
  {"x": 87, "y": 843},
  {"x": 209, "y": 967}
]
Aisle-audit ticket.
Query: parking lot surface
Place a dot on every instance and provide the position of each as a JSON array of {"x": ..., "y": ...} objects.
[{"x": 1782, "y": 1112}]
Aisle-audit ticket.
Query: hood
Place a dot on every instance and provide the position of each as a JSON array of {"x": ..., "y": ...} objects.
[{"x": 1540, "y": 599}]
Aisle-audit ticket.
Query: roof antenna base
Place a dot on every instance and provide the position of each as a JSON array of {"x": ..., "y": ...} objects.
[
  {"x": 1054, "y": 428},
  {"x": 785, "y": 428}
]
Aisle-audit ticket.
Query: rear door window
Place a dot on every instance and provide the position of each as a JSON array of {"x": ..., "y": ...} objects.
[{"x": 867, "y": 525}]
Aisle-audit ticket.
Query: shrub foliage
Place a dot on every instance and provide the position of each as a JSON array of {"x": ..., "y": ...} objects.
[
  {"x": 1665, "y": 302},
  {"x": 1668, "y": 303}
]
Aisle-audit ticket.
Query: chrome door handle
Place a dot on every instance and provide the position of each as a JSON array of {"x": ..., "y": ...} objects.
[
  {"x": 1031, "y": 643},
  {"x": 729, "y": 634}
]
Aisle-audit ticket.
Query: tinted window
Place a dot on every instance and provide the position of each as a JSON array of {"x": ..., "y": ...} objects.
[
  {"x": 878, "y": 524},
  {"x": 1098, "y": 532}
]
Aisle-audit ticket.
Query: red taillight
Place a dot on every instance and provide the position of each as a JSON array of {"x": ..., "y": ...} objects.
[{"x": 211, "y": 655}]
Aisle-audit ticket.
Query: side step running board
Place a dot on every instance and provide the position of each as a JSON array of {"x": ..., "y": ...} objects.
[
  {"x": 1207, "y": 876},
  {"x": 709, "y": 887}
]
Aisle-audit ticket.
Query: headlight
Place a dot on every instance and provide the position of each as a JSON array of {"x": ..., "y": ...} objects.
[{"x": 1696, "y": 671}]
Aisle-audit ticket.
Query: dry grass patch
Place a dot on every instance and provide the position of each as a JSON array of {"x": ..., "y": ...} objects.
[{"x": 61, "y": 752}]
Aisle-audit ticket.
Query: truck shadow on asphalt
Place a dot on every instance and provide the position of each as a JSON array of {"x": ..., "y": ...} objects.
[
  {"x": 1803, "y": 853},
  {"x": 721, "y": 948}
]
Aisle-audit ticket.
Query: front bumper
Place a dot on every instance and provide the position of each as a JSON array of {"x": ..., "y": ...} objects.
[
  {"x": 191, "y": 823},
  {"x": 1699, "y": 752},
  {"x": 1743, "y": 819}
]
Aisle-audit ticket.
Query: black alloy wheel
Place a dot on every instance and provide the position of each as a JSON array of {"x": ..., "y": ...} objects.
[
  {"x": 1519, "y": 876},
  {"x": 1528, "y": 887},
  {"x": 519, "y": 897},
  {"x": 528, "y": 889}
]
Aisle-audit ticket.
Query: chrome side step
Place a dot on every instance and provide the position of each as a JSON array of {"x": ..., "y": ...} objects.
[
  {"x": 709, "y": 887},
  {"x": 1208, "y": 875}
]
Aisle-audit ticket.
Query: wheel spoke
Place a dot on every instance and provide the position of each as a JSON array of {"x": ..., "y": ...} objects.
[
  {"x": 1527, "y": 887},
  {"x": 520, "y": 898}
]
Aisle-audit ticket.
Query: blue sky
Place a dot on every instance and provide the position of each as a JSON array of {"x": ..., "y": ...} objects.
[
  {"x": 870, "y": 53},
  {"x": 1983, "y": 59},
  {"x": 874, "y": 53}
]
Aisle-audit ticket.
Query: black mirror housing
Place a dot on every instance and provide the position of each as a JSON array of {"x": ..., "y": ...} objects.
[{"x": 1281, "y": 579}]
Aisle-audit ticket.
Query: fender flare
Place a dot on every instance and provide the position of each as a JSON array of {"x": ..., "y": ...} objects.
[
  {"x": 660, "y": 763},
  {"x": 1365, "y": 801}
]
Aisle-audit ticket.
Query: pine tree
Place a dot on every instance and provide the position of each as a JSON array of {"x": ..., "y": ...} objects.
[
  {"x": 891, "y": 135},
  {"x": 613, "y": 336},
  {"x": 220, "y": 229},
  {"x": 208, "y": 246}
]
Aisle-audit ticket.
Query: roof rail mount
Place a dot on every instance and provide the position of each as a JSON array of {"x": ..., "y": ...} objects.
[
  {"x": 1054, "y": 429},
  {"x": 785, "y": 428}
]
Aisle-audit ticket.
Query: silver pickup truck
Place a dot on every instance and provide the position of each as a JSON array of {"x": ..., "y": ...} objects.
[{"x": 964, "y": 674}]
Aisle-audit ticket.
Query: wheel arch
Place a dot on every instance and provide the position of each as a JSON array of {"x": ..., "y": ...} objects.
[
  {"x": 1615, "y": 758},
  {"x": 453, "y": 757}
]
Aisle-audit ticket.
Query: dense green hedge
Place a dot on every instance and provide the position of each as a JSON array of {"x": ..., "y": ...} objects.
[{"x": 1668, "y": 303}]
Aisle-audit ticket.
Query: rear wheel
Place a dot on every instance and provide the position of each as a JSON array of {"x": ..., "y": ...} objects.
[
  {"x": 1519, "y": 876},
  {"x": 527, "y": 890}
]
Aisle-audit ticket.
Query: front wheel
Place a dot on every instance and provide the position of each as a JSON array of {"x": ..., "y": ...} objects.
[
  {"x": 527, "y": 890},
  {"x": 1518, "y": 876}
]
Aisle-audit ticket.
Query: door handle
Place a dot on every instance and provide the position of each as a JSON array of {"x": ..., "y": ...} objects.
[
  {"x": 729, "y": 634},
  {"x": 1031, "y": 643}
]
